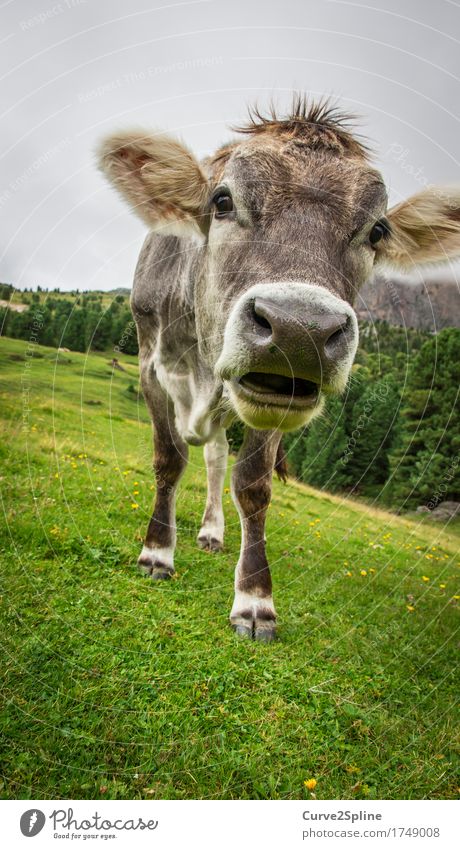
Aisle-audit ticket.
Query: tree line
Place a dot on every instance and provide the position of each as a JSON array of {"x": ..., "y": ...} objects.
[{"x": 80, "y": 323}]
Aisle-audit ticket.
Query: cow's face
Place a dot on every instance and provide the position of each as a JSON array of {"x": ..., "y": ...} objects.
[
  {"x": 292, "y": 221},
  {"x": 292, "y": 236}
]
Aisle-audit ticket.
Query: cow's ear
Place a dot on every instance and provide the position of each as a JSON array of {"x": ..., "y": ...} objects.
[
  {"x": 423, "y": 229},
  {"x": 161, "y": 180}
]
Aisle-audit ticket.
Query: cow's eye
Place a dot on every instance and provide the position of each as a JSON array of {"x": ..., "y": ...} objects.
[
  {"x": 223, "y": 204},
  {"x": 380, "y": 230}
]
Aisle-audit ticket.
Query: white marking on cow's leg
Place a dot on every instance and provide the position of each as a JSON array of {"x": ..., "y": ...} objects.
[
  {"x": 252, "y": 616},
  {"x": 211, "y": 534},
  {"x": 161, "y": 559},
  {"x": 253, "y": 613}
]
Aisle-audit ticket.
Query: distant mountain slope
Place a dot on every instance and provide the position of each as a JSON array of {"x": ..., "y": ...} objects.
[
  {"x": 425, "y": 305},
  {"x": 431, "y": 304},
  {"x": 122, "y": 290}
]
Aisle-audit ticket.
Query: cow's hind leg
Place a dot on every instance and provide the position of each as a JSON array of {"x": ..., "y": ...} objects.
[
  {"x": 253, "y": 613},
  {"x": 170, "y": 459},
  {"x": 211, "y": 534}
]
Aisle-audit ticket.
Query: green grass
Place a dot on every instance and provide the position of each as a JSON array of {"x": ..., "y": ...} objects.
[{"x": 115, "y": 687}]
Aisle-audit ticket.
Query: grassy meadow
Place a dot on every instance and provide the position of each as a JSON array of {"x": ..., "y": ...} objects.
[{"x": 117, "y": 687}]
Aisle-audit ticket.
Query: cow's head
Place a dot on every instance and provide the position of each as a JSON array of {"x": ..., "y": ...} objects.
[{"x": 293, "y": 220}]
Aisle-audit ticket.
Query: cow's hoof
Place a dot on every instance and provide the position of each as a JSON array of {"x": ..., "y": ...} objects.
[
  {"x": 209, "y": 543},
  {"x": 243, "y": 631},
  {"x": 254, "y": 617},
  {"x": 264, "y": 631},
  {"x": 161, "y": 574},
  {"x": 155, "y": 570},
  {"x": 265, "y": 634}
]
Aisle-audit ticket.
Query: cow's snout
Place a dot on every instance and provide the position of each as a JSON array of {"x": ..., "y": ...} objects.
[
  {"x": 286, "y": 334},
  {"x": 285, "y": 344}
]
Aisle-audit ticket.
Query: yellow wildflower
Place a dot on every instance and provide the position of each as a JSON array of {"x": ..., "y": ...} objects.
[
  {"x": 363, "y": 573},
  {"x": 134, "y": 506},
  {"x": 425, "y": 578},
  {"x": 310, "y": 783},
  {"x": 410, "y": 608}
]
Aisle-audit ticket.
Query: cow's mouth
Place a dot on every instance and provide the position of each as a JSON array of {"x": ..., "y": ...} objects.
[{"x": 277, "y": 389}]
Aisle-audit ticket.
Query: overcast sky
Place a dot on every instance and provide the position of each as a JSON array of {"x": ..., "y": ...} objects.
[{"x": 74, "y": 70}]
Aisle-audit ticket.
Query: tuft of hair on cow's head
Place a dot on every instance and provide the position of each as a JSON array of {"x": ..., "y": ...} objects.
[
  {"x": 293, "y": 219},
  {"x": 318, "y": 123}
]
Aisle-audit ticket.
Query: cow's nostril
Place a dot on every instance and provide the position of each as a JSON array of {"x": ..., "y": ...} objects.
[
  {"x": 262, "y": 321},
  {"x": 338, "y": 337},
  {"x": 334, "y": 337},
  {"x": 259, "y": 317}
]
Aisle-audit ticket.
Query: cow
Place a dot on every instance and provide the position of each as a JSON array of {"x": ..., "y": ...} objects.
[{"x": 243, "y": 300}]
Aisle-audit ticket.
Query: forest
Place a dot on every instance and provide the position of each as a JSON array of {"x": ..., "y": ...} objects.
[
  {"x": 394, "y": 436},
  {"x": 88, "y": 321}
]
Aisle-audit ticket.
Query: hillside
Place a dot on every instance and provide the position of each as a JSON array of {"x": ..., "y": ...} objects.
[{"x": 117, "y": 688}]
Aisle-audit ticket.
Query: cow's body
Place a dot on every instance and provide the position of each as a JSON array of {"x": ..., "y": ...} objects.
[
  {"x": 163, "y": 306},
  {"x": 243, "y": 302}
]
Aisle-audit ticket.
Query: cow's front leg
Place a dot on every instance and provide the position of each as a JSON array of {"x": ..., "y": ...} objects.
[
  {"x": 211, "y": 534},
  {"x": 253, "y": 613},
  {"x": 170, "y": 459}
]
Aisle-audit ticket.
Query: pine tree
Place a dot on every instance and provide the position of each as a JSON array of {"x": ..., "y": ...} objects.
[
  {"x": 426, "y": 468},
  {"x": 75, "y": 333},
  {"x": 372, "y": 434},
  {"x": 325, "y": 449}
]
